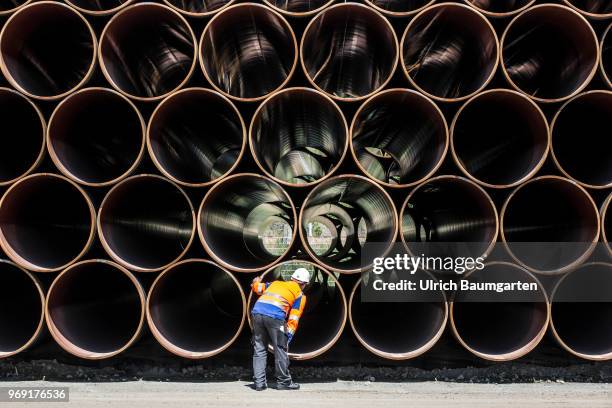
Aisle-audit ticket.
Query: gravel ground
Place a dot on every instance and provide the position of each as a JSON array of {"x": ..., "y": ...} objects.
[{"x": 146, "y": 394}]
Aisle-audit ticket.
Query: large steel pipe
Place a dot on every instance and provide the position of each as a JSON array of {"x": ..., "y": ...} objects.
[
  {"x": 595, "y": 9},
  {"x": 99, "y": 7},
  {"x": 399, "y": 137},
  {"x": 198, "y": 8},
  {"x": 606, "y": 224},
  {"x": 21, "y": 309},
  {"x": 500, "y": 8},
  {"x": 349, "y": 51},
  {"x": 95, "y": 309},
  {"x": 549, "y": 52},
  {"x": 47, "y": 50},
  {"x": 580, "y": 139},
  {"x": 298, "y": 136},
  {"x": 448, "y": 216},
  {"x": 549, "y": 224},
  {"x": 340, "y": 216},
  {"x": 449, "y": 52},
  {"x": 10, "y": 6},
  {"x": 196, "y": 309},
  {"x": 146, "y": 223},
  {"x": 581, "y": 319},
  {"x": 96, "y": 136},
  {"x": 398, "y": 330},
  {"x": 606, "y": 56},
  {"x": 47, "y": 222},
  {"x": 196, "y": 136},
  {"x": 500, "y": 326},
  {"x": 23, "y": 141},
  {"x": 248, "y": 51},
  {"x": 246, "y": 222},
  {"x": 147, "y": 51},
  {"x": 325, "y": 314},
  {"x": 499, "y": 138}
]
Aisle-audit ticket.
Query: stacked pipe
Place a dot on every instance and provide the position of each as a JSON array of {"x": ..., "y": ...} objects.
[{"x": 155, "y": 156}]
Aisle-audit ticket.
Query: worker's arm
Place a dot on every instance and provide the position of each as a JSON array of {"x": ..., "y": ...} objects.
[
  {"x": 258, "y": 286},
  {"x": 294, "y": 315}
]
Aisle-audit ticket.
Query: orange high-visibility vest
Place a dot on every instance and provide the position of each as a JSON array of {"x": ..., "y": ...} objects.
[{"x": 284, "y": 295}]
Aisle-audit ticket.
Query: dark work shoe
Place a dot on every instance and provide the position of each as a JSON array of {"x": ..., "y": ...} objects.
[
  {"x": 288, "y": 387},
  {"x": 260, "y": 388}
]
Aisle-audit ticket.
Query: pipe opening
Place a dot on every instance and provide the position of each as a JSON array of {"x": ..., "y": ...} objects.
[
  {"x": 500, "y": 138},
  {"x": 500, "y": 6},
  {"x": 298, "y": 136},
  {"x": 95, "y": 309},
  {"x": 449, "y": 51},
  {"x": 449, "y": 209},
  {"x": 557, "y": 214},
  {"x": 199, "y": 6},
  {"x": 606, "y": 224},
  {"x": 298, "y": 7},
  {"x": 97, "y": 6},
  {"x": 606, "y": 57},
  {"x": 248, "y": 51},
  {"x": 196, "y": 309},
  {"x": 23, "y": 136},
  {"x": 46, "y": 222},
  {"x": 597, "y": 8},
  {"x": 579, "y": 135},
  {"x": 196, "y": 136},
  {"x": 47, "y": 49},
  {"x": 398, "y": 330},
  {"x": 325, "y": 313},
  {"x": 549, "y": 52},
  {"x": 146, "y": 223},
  {"x": 582, "y": 311},
  {"x": 21, "y": 309},
  {"x": 495, "y": 328},
  {"x": 147, "y": 51},
  {"x": 343, "y": 214},
  {"x": 96, "y": 136},
  {"x": 349, "y": 51},
  {"x": 400, "y": 7},
  {"x": 252, "y": 213},
  {"x": 6, "y": 6},
  {"x": 399, "y": 137}
]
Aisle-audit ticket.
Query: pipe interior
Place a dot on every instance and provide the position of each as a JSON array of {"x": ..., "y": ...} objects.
[
  {"x": 494, "y": 323},
  {"x": 298, "y": 6},
  {"x": 46, "y": 221},
  {"x": 343, "y": 214},
  {"x": 398, "y": 327},
  {"x": 400, "y": 6},
  {"x": 299, "y": 136},
  {"x": 606, "y": 57},
  {"x": 21, "y": 308},
  {"x": 607, "y": 224},
  {"x": 399, "y": 137},
  {"x": 197, "y": 307},
  {"x": 23, "y": 136},
  {"x": 593, "y": 6},
  {"x": 325, "y": 310},
  {"x": 147, "y": 50},
  {"x": 248, "y": 51},
  {"x": 7, "y": 5},
  {"x": 254, "y": 215},
  {"x": 199, "y": 6},
  {"x": 500, "y": 138},
  {"x": 95, "y": 307},
  {"x": 196, "y": 136},
  {"x": 582, "y": 310},
  {"x": 500, "y": 6},
  {"x": 557, "y": 220},
  {"x": 450, "y": 51},
  {"x": 96, "y": 135},
  {"x": 147, "y": 222},
  {"x": 549, "y": 52},
  {"x": 349, "y": 51},
  {"x": 97, "y": 5},
  {"x": 580, "y": 139},
  {"x": 449, "y": 210},
  {"x": 47, "y": 49}
]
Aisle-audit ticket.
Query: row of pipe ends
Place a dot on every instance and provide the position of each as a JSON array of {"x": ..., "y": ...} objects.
[
  {"x": 197, "y": 309},
  {"x": 449, "y": 51},
  {"x": 299, "y": 137}
]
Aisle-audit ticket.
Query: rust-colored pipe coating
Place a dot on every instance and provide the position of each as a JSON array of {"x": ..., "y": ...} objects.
[{"x": 95, "y": 309}]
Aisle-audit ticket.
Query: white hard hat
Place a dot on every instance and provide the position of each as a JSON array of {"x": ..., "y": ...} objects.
[{"x": 301, "y": 275}]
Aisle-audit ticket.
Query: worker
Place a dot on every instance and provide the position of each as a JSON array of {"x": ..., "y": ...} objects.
[{"x": 275, "y": 318}]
